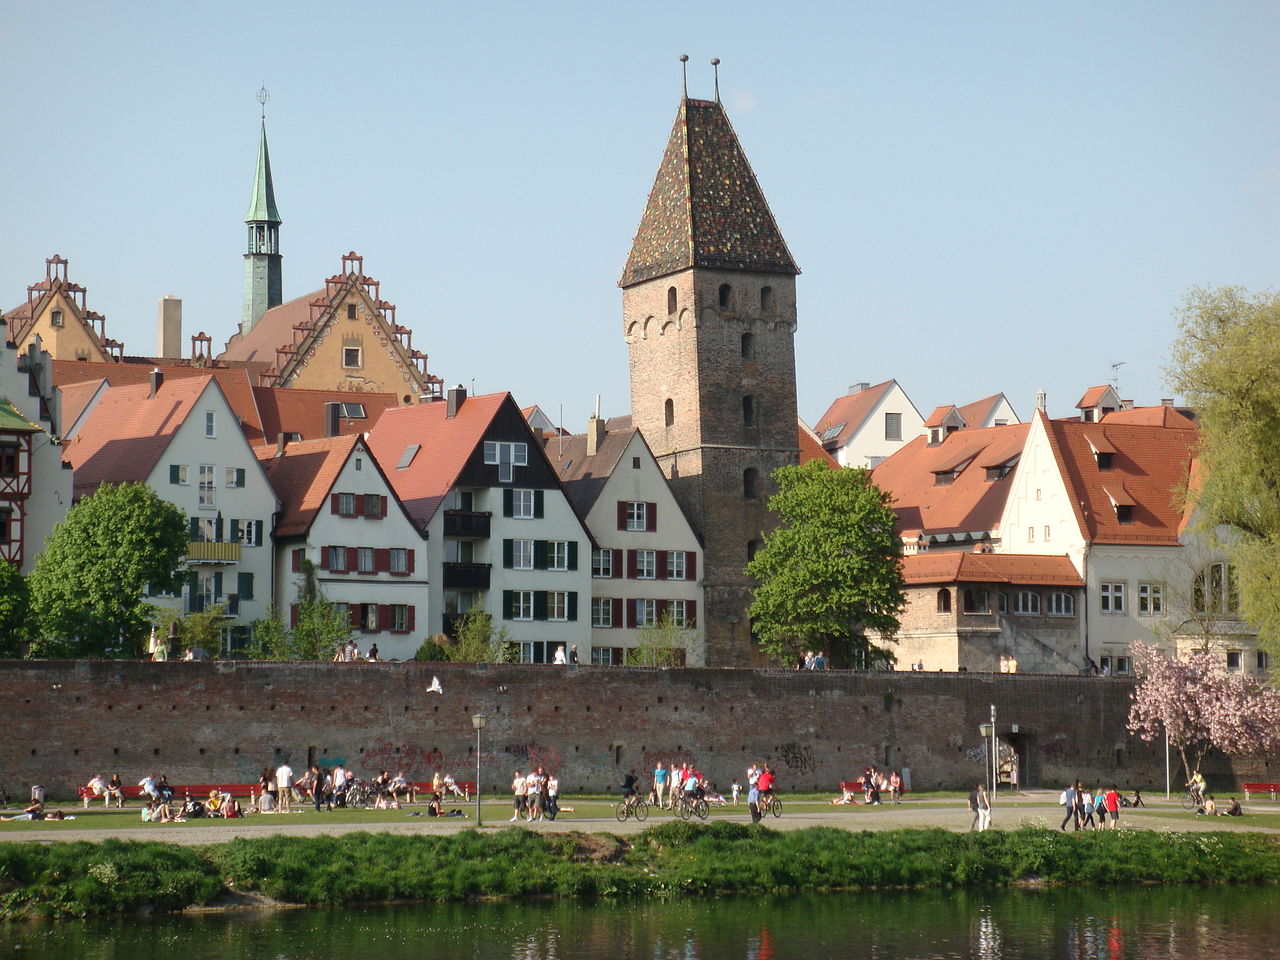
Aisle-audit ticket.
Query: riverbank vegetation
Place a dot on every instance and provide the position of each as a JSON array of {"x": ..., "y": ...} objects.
[{"x": 117, "y": 876}]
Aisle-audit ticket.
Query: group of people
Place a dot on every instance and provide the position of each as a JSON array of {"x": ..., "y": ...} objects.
[
  {"x": 535, "y": 795},
  {"x": 348, "y": 652},
  {"x": 670, "y": 785},
  {"x": 1205, "y": 804},
  {"x": 812, "y": 661},
  {"x": 560, "y": 657},
  {"x": 1090, "y": 809},
  {"x": 875, "y": 784}
]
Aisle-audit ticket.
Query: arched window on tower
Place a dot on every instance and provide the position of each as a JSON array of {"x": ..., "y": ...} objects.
[
  {"x": 726, "y": 295},
  {"x": 766, "y": 300},
  {"x": 748, "y": 347},
  {"x": 751, "y": 483},
  {"x": 671, "y": 299},
  {"x": 748, "y": 411},
  {"x": 944, "y": 600},
  {"x": 669, "y": 411}
]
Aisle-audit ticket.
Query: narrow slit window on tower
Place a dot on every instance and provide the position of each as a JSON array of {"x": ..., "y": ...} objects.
[
  {"x": 766, "y": 299},
  {"x": 748, "y": 411},
  {"x": 669, "y": 412},
  {"x": 748, "y": 347},
  {"x": 751, "y": 483},
  {"x": 726, "y": 295},
  {"x": 671, "y": 299}
]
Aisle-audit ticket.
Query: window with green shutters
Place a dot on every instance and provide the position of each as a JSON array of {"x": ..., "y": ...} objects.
[
  {"x": 178, "y": 473},
  {"x": 244, "y": 585}
]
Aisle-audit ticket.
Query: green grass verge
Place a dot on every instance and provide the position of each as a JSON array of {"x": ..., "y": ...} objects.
[{"x": 672, "y": 858}]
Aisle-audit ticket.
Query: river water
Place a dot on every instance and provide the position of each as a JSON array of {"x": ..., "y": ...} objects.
[{"x": 1145, "y": 923}]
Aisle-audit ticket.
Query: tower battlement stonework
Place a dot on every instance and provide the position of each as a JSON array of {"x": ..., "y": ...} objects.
[{"x": 709, "y": 318}]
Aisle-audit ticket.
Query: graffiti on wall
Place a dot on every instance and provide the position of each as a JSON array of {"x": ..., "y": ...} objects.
[
  {"x": 416, "y": 762},
  {"x": 534, "y": 754},
  {"x": 796, "y": 757}
]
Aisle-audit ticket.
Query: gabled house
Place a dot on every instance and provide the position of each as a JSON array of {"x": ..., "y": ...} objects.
[
  {"x": 501, "y": 534},
  {"x": 868, "y": 424},
  {"x": 182, "y": 438},
  {"x": 339, "y": 511},
  {"x": 1098, "y": 402},
  {"x": 342, "y": 337},
  {"x": 992, "y": 411},
  {"x": 56, "y": 312},
  {"x": 646, "y": 560}
]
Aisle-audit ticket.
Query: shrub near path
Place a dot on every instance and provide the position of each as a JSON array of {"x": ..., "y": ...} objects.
[{"x": 674, "y": 858}]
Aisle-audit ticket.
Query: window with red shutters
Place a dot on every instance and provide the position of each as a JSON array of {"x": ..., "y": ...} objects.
[
  {"x": 616, "y": 620},
  {"x": 334, "y": 503},
  {"x": 691, "y": 565},
  {"x": 618, "y": 572},
  {"x": 293, "y": 615},
  {"x": 691, "y": 612},
  {"x": 651, "y": 517},
  {"x": 296, "y": 561},
  {"x": 384, "y": 616},
  {"x": 622, "y": 514},
  {"x": 381, "y": 560},
  {"x": 631, "y": 565},
  {"x": 661, "y": 564},
  {"x": 353, "y": 558},
  {"x": 411, "y": 626},
  {"x": 631, "y": 613}
]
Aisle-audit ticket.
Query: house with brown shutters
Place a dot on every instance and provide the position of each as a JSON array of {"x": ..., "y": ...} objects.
[
  {"x": 500, "y": 532},
  {"x": 646, "y": 562},
  {"x": 340, "y": 513}
]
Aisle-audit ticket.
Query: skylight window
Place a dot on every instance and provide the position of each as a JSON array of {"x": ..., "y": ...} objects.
[
  {"x": 354, "y": 411},
  {"x": 832, "y": 432},
  {"x": 406, "y": 458}
]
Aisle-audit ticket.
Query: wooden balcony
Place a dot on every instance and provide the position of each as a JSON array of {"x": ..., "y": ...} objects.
[
  {"x": 466, "y": 576},
  {"x": 467, "y": 524},
  {"x": 206, "y": 551}
]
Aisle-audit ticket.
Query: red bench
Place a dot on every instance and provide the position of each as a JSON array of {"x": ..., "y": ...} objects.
[
  {"x": 856, "y": 786},
  {"x": 1271, "y": 788},
  {"x": 468, "y": 788}
]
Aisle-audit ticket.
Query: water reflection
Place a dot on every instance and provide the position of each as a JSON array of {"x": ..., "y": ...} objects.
[{"x": 1095, "y": 924}]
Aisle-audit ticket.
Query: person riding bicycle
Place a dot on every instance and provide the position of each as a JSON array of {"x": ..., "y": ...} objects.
[
  {"x": 1196, "y": 786},
  {"x": 765, "y": 784},
  {"x": 629, "y": 795}
]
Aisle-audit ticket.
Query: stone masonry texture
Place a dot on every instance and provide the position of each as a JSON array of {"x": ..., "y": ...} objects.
[{"x": 223, "y": 722}]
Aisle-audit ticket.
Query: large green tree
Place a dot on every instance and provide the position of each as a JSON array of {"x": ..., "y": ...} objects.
[
  {"x": 14, "y": 599},
  {"x": 87, "y": 587},
  {"x": 832, "y": 570},
  {"x": 322, "y": 625},
  {"x": 1225, "y": 362}
]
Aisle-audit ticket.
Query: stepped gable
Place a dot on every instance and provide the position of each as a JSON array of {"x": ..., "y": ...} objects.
[
  {"x": 1148, "y": 470},
  {"x": 273, "y": 329},
  {"x": 849, "y": 413},
  {"x": 706, "y": 208},
  {"x": 955, "y": 566},
  {"x": 942, "y": 490},
  {"x": 129, "y": 430}
]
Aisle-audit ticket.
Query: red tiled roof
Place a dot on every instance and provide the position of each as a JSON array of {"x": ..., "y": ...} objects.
[
  {"x": 1161, "y": 416},
  {"x": 852, "y": 411},
  {"x": 1150, "y": 465},
  {"x": 954, "y": 566},
  {"x": 940, "y": 414},
  {"x": 291, "y": 410},
  {"x": 127, "y": 432},
  {"x": 444, "y": 447},
  {"x": 302, "y": 478},
  {"x": 584, "y": 477},
  {"x": 1091, "y": 397},
  {"x": 75, "y": 397},
  {"x": 975, "y": 414},
  {"x": 970, "y": 503},
  {"x": 811, "y": 447},
  {"x": 273, "y": 329}
]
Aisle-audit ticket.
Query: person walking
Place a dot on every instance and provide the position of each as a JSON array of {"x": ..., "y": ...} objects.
[
  {"x": 984, "y": 809},
  {"x": 284, "y": 786},
  {"x": 1068, "y": 800},
  {"x": 659, "y": 782}
]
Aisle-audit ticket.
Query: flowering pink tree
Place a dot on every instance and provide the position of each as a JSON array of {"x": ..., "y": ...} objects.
[{"x": 1201, "y": 706}]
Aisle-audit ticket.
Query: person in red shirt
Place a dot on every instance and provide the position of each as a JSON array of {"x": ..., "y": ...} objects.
[
  {"x": 1112, "y": 803},
  {"x": 765, "y": 783}
]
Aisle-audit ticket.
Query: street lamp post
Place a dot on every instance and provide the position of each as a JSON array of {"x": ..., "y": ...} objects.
[
  {"x": 478, "y": 721},
  {"x": 984, "y": 730}
]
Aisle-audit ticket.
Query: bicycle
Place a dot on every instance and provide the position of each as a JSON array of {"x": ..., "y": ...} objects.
[
  {"x": 690, "y": 808},
  {"x": 1192, "y": 801},
  {"x": 770, "y": 804},
  {"x": 631, "y": 807}
]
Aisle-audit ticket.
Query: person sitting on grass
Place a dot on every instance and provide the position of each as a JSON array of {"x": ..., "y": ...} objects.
[
  {"x": 846, "y": 796},
  {"x": 1209, "y": 808},
  {"x": 231, "y": 807},
  {"x": 36, "y": 812},
  {"x": 214, "y": 803},
  {"x": 1233, "y": 809}
]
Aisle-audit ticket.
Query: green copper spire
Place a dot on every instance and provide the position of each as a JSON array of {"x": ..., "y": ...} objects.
[
  {"x": 263, "y": 283},
  {"x": 262, "y": 207}
]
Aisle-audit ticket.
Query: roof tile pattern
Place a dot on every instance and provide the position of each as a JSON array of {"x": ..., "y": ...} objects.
[
  {"x": 970, "y": 503},
  {"x": 302, "y": 478},
  {"x": 954, "y": 566},
  {"x": 849, "y": 413},
  {"x": 706, "y": 208},
  {"x": 128, "y": 431},
  {"x": 584, "y": 477}
]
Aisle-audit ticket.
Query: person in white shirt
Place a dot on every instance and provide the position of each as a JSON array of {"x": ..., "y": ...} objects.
[
  {"x": 97, "y": 787},
  {"x": 148, "y": 785},
  {"x": 339, "y": 785},
  {"x": 284, "y": 786},
  {"x": 558, "y": 656}
]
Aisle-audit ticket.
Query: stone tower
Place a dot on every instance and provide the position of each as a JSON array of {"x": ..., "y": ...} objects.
[
  {"x": 263, "y": 286},
  {"x": 709, "y": 316}
]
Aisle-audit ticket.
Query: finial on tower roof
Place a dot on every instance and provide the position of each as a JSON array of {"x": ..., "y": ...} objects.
[
  {"x": 684, "y": 74},
  {"x": 263, "y": 96},
  {"x": 715, "y": 66}
]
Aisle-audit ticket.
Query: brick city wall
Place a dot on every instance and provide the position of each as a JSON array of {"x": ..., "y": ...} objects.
[{"x": 225, "y": 721}]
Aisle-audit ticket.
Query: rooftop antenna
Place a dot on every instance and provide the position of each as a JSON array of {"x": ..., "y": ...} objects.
[
  {"x": 1115, "y": 375},
  {"x": 560, "y": 434},
  {"x": 684, "y": 74},
  {"x": 715, "y": 66},
  {"x": 263, "y": 96}
]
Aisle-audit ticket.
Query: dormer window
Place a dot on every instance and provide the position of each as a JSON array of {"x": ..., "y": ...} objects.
[
  {"x": 935, "y": 434},
  {"x": 1104, "y": 459},
  {"x": 998, "y": 473},
  {"x": 1124, "y": 513},
  {"x": 944, "y": 478},
  {"x": 55, "y": 318}
]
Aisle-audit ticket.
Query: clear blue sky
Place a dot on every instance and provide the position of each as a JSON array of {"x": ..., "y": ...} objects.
[{"x": 982, "y": 196}]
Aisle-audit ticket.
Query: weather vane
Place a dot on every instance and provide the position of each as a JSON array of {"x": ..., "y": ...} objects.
[
  {"x": 263, "y": 96},
  {"x": 715, "y": 66},
  {"x": 684, "y": 74}
]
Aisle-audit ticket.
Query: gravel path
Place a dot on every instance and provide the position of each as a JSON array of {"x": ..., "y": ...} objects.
[{"x": 1037, "y": 808}]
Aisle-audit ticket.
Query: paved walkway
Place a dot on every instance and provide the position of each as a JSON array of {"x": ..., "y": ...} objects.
[{"x": 1035, "y": 808}]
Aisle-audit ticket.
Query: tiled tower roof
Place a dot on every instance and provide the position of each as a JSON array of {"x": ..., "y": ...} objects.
[
  {"x": 706, "y": 208},
  {"x": 262, "y": 205}
]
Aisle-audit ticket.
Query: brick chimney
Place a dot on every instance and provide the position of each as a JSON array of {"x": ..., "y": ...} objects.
[
  {"x": 456, "y": 398},
  {"x": 595, "y": 435},
  {"x": 157, "y": 381}
]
